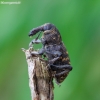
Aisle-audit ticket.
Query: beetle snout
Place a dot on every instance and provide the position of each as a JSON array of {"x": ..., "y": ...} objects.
[{"x": 32, "y": 32}]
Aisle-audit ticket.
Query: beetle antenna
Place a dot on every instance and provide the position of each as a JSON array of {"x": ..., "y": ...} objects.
[{"x": 38, "y": 36}]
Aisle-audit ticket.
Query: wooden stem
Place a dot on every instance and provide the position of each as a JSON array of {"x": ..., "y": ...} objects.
[{"x": 40, "y": 79}]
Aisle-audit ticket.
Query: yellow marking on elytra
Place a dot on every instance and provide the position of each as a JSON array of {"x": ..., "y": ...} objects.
[
  {"x": 63, "y": 59},
  {"x": 69, "y": 62},
  {"x": 58, "y": 36},
  {"x": 53, "y": 30},
  {"x": 66, "y": 59},
  {"x": 62, "y": 77}
]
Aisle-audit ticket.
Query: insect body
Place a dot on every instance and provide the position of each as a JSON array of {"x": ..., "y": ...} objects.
[{"x": 54, "y": 49}]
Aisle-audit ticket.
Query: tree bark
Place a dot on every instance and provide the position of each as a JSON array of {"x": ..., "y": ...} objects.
[{"x": 40, "y": 78}]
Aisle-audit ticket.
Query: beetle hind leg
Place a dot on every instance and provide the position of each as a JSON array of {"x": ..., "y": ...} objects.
[{"x": 61, "y": 67}]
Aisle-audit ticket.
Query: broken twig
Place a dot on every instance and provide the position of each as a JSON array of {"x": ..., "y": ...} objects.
[{"x": 40, "y": 78}]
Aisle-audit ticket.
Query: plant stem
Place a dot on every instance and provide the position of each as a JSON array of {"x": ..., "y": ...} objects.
[{"x": 40, "y": 78}]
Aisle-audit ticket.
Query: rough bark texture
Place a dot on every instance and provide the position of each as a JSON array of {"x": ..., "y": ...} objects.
[{"x": 40, "y": 79}]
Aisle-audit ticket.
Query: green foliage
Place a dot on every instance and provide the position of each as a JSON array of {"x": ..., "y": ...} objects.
[{"x": 79, "y": 24}]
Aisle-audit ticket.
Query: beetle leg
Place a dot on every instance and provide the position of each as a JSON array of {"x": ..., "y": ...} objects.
[
  {"x": 40, "y": 52},
  {"x": 34, "y": 41},
  {"x": 54, "y": 53},
  {"x": 60, "y": 67},
  {"x": 62, "y": 73},
  {"x": 53, "y": 60}
]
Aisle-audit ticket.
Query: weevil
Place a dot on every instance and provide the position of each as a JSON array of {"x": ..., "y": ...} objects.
[{"x": 54, "y": 49}]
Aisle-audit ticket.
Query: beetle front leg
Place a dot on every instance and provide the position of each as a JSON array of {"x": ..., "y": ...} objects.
[{"x": 34, "y": 41}]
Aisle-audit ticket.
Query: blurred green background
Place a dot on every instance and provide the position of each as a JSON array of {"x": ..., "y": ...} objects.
[{"x": 79, "y": 24}]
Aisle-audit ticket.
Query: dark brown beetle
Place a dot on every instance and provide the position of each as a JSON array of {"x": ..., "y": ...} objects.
[{"x": 54, "y": 50}]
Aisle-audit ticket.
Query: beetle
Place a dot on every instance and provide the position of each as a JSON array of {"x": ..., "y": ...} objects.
[{"x": 54, "y": 49}]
